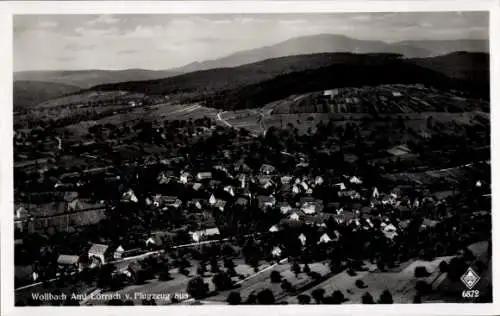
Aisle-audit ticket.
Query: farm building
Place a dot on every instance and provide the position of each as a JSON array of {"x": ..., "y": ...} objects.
[
  {"x": 199, "y": 235},
  {"x": 400, "y": 150}
]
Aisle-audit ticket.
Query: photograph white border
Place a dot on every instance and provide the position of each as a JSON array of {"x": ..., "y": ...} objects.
[{"x": 8, "y": 9}]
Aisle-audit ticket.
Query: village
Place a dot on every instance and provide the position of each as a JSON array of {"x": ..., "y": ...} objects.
[{"x": 229, "y": 211}]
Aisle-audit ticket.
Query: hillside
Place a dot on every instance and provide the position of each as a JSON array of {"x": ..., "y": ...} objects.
[
  {"x": 322, "y": 43},
  {"x": 448, "y": 46},
  {"x": 232, "y": 86},
  {"x": 370, "y": 72},
  {"x": 471, "y": 67},
  {"x": 30, "y": 93},
  {"x": 87, "y": 78},
  {"x": 208, "y": 81}
]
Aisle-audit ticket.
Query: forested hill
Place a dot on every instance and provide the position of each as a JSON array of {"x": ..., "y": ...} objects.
[
  {"x": 371, "y": 72},
  {"x": 201, "y": 83},
  {"x": 254, "y": 85}
]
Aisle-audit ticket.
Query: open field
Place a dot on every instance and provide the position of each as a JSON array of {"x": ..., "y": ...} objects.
[{"x": 401, "y": 284}]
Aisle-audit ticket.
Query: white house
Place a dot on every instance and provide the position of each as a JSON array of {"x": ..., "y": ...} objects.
[
  {"x": 185, "y": 177},
  {"x": 99, "y": 251},
  {"x": 196, "y": 186},
  {"x": 479, "y": 183},
  {"x": 285, "y": 208},
  {"x": 355, "y": 180},
  {"x": 118, "y": 252},
  {"x": 341, "y": 186},
  {"x": 273, "y": 229},
  {"x": 309, "y": 208},
  {"x": 212, "y": 200},
  {"x": 375, "y": 193},
  {"x": 229, "y": 189},
  {"x": 318, "y": 180},
  {"x": 295, "y": 189},
  {"x": 203, "y": 176},
  {"x": 324, "y": 239},
  {"x": 302, "y": 239},
  {"x": 276, "y": 252},
  {"x": 129, "y": 196},
  {"x": 294, "y": 217},
  {"x": 197, "y": 236}
]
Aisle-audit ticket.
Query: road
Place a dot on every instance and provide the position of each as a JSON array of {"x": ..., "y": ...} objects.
[
  {"x": 219, "y": 117},
  {"x": 122, "y": 262}
]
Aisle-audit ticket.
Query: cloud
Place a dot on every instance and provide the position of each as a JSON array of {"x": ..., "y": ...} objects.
[
  {"x": 47, "y": 24},
  {"x": 66, "y": 58},
  {"x": 128, "y": 51},
  {"x": 103, "y": 20},
  {"x": 78, "y": 46}
]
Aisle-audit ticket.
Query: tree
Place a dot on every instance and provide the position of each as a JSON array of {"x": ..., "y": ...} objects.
[
  {"x": 423, "y": 287},
  {"x": 385, "y": 297},
  {"x": 201, "y": 270},
  {"x": 318, "y": 295},
  {"x": 266, "y": 297},
  {"x": 306, "y": 268},
  {"x": 304, "y": 299},
  {"x": 286, "y": 286},
  {"x": 222, "y": 281},
  {"x": 234, "y": 298},
  {"x": 421, "y": 272},
  {"x": 214, "y": 265},
  {"x": 367, "y": 298},
  {"x": 197, "y": 288},
  {"x": 417, "y": 299},
  {"x": 338, "y": 297},
  {"x": 252, "y": 298},
  {"x": 275, "y": 277},
  {"x": 443, "y": 266},
  {"x": 296, "y": 269}
]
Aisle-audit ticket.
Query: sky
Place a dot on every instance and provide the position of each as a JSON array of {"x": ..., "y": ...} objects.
[{"x": 74, "y": 42}]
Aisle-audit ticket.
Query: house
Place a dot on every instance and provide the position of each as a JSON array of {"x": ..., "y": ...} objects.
[
  {"x": 355, "y": 180},
  {"x": 341, "y": 186},
  {"x": 324, "y": 239},
  {"x": 203, "y": 176},
  {"x": 295, "y": 189},
  {"x": 265, "y": 201},
  {"x": 242, "y": 178},
  {"x": 214, "y": 184},
  {"x": 285, "y": 208},
  {"x": 375, "y": 193},
  {"x": 171, "y": 201},
  {"x": 242, "y": 201},
  {"x": 199, "y": 235},
  {"x": 267, "y": 169},
  {"x": 220, "y": 204},
  {"x": 302, "y": 239},
  {"x": 400, "y": 150},
  {"x": 69, "y": 263},
  {"x": 286, "y": 179},
  {"x": 265, "y": 182},
  {"x": 274, "y": 229},
  {"x": 276, "y": 252},
  {"x": 212, "y": 200},
  {"x": 100, "y": 253},
  {"x": 197, "y": 186},
  {"x": 154, "y": 241},
  {"x": 185, "y": 177},
  {"x": 318, "y": 180},
  {"x": 129, "y": 196},
  {"x": 294, "y": 217},
  {"x": 229, "y": 189},
  {"x": 118, "y": 253}
]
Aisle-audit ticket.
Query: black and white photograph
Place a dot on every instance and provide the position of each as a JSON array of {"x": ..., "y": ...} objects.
[{"x": 327, "y": 158}]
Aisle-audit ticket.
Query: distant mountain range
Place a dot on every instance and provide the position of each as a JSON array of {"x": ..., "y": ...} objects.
[
  {"x": 87, "y": 78},
  {"x": 308, "y": 53},
  {"x": 328, "y": 43}
]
